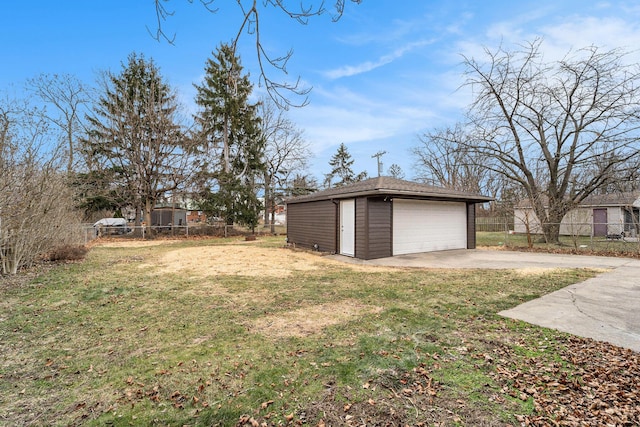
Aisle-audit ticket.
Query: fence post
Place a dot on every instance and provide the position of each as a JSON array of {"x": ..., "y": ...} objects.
[{"x": 506, "y": 232}]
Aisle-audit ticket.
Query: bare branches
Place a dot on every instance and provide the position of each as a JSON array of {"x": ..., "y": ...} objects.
[
  {"x": 36, "y": 211},
  {"x": 305, "y": 12},
  {"x": 563, "y": 129},
  {"x": 286, "y": 153},
  {"x": 68, "y": 96},
  {"x": 284, "y": 93},
  {"x": 277, "y": 91},
  {"x": 444, "y": 159},
  {"x": 162, "y": 14}
]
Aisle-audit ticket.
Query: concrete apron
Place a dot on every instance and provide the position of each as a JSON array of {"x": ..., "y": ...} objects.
[{"x": 604, "y": 308}]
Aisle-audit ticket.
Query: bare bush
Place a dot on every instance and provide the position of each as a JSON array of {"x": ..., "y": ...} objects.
[
  {"x": 67, "y": 253},
  {"x": 36, "y": 204}
]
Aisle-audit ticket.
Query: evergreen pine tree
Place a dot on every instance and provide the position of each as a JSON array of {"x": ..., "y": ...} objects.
[
  {"x": 134, "y": 137},
  {"x": 231, "y": 140},
  {"x": 341, "y": 163}
]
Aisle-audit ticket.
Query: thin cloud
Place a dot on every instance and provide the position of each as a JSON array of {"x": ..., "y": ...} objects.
[
  {"x": 609, "y": 32},
  {"x": 365, "y": 67}
]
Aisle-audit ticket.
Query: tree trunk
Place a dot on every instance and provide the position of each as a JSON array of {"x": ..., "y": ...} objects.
[
  {"x": 551, "y": 233},
  {"x": 267, "y": 198},
  {"x": 273, "y": 218},
  {"x": 148, "y": 207},
  {"x": 551, "y": 227},
  {"x": 137, "y": 223}
]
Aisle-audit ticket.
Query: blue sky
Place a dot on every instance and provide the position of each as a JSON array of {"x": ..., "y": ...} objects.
[{"x": 383, "y": 74}]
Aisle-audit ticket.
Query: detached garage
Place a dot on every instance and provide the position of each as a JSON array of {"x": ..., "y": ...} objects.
[{"x": 383, "y": 217}]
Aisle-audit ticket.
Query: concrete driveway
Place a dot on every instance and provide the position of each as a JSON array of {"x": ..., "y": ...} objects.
[{"x": 605, "y": 308}]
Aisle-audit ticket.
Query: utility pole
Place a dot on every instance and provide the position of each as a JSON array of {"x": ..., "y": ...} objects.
[{"x": 377, "y": 156}]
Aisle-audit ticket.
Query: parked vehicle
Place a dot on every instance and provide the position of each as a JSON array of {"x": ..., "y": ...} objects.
[{"x": 106, "y": 226}]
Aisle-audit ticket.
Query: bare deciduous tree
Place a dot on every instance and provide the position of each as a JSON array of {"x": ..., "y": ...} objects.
[
  {"x": 286, "y": 153},
  {"x": 69, "y": 97},
  {"x": 560, "y": 130},
  {"x": 395, "y": 171},
  {"x": 443, "y": 158},
  {"x": 250, "y": 14}
]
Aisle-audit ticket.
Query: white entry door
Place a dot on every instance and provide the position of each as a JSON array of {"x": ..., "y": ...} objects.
[{"x": 347, "y": 227}]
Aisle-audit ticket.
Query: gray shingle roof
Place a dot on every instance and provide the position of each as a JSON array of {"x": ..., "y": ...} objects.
[
  {"x": 612, "y": 199},
  {"x": 387, "y": 186}
]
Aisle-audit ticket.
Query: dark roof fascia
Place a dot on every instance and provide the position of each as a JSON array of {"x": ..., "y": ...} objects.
[
  {"x": 390, "y": 187},
  {"x": 395, "y": 193}
]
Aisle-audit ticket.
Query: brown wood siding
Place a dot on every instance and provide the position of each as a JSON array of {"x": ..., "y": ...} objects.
[
  {"x": 471, "y": 225},
  {"x": 313, "y": 223},
  {"x": 362, "y": 240},
  {"x": 380, "y": 242}
]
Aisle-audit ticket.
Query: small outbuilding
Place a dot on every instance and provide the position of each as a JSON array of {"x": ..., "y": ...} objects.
[
  {"x": 382, "y": 217},
  {"x": 598, "y": 215},
  {"x": 165, "y": 216}
]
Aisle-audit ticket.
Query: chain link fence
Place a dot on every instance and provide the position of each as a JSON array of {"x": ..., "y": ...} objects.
[
  {"x": 222, "y": 230},
  {"x": 618, "y": 239},
  {"x": 607, "y": 238}
]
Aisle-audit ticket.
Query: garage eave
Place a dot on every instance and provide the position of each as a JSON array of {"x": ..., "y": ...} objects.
[{"x": 391, "y": 187}]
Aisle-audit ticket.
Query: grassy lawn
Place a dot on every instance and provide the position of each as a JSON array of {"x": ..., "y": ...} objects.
[
  {"x": 127, "y": 338},
  {"x": 575, "y": 244}
]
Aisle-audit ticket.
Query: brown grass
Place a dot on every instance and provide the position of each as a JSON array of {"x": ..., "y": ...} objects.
[
  {"x": 206, "y": 332},
  {"x": 311, "y": 320},
  {"x": 240, "y": 257}
]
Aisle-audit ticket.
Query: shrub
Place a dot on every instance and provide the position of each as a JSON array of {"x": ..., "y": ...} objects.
[{"x": 67, "y": 253}]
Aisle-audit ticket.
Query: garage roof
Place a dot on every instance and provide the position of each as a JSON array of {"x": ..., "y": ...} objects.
[
  {"x": 624, "y": 199},
  {"x": 388, "y": 186}
]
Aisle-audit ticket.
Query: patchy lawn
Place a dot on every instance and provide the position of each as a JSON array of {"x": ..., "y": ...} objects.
[{"x": 224, "y": 332}]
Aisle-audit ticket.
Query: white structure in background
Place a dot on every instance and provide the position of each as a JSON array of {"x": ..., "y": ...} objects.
[{"x": 599, "y": 215}]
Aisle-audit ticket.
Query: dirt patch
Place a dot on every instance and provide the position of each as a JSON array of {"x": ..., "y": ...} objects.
[
  {"x": 310, "y": 320},
  {"x": 241, "y": 259}
]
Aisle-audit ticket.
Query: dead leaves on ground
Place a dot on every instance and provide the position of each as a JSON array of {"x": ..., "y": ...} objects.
[
  {"x": 593, "y": 383},
  {"x": 571, "y": 382},
  {"x": 568, "y": 382}
]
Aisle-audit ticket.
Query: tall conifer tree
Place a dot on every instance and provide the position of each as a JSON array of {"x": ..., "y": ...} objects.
[
  {"x": 231, "y": 140},
  {"x": 134, "y": 133},
  {"x": 341, "y": 163}
]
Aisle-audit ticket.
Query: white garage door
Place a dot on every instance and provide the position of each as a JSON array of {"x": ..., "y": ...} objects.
[{"x": 425, "y": 226}]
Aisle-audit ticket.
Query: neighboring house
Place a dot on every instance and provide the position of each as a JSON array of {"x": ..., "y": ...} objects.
[
  {"x": 186, "y": 201},
  {"x": 196, "y": 216},
  {"x": 382, "y": 217},
  {"x": 163, "y": 216},
  {"x": 597, "y": 215}
]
